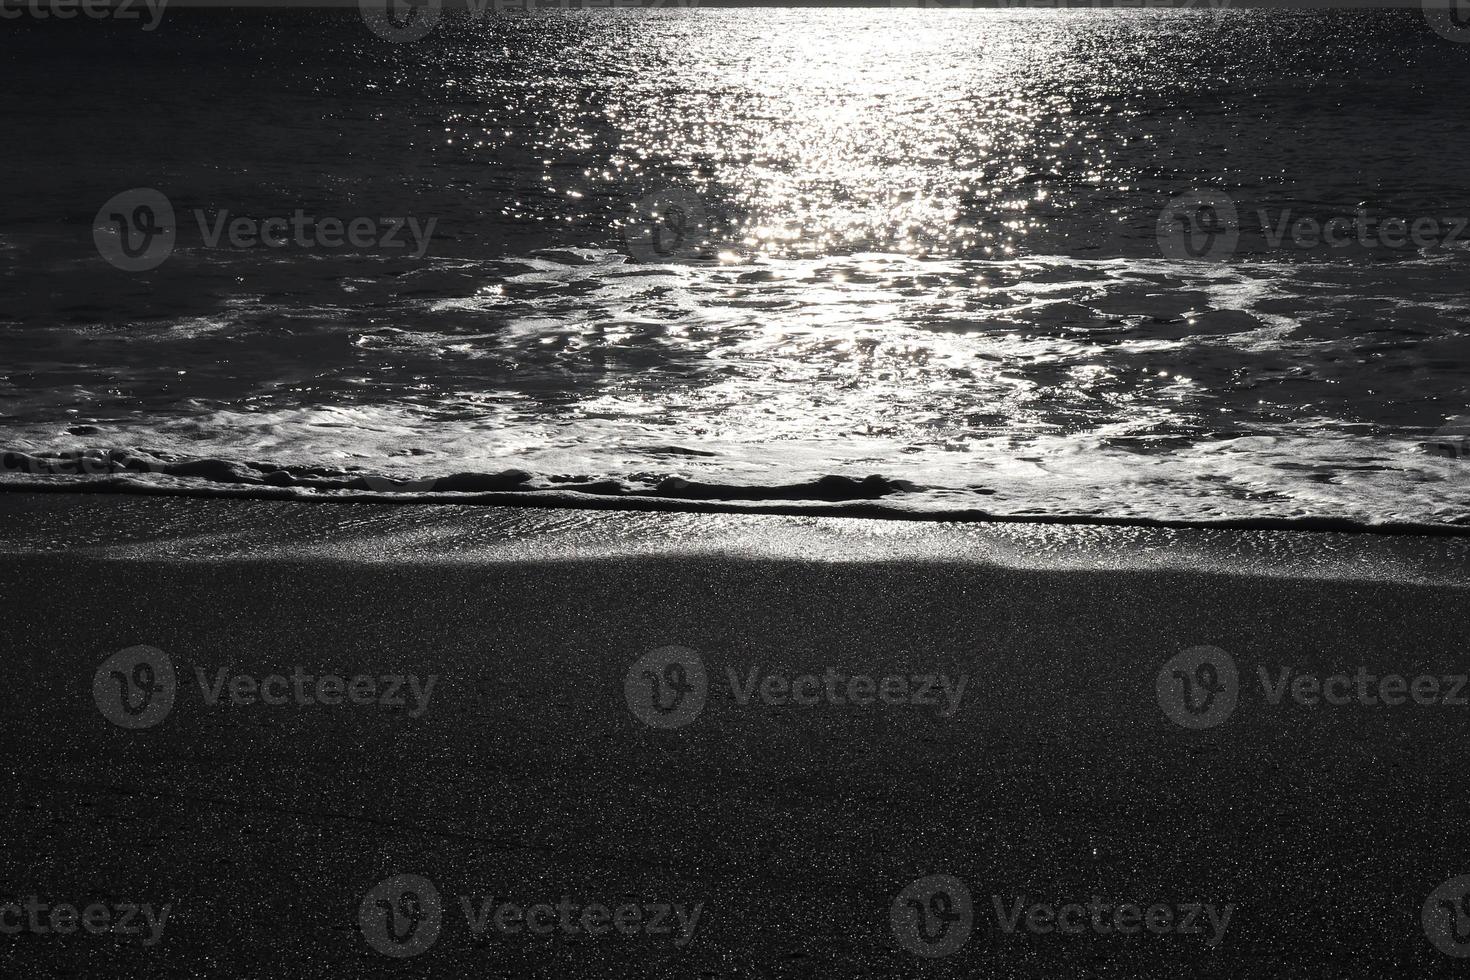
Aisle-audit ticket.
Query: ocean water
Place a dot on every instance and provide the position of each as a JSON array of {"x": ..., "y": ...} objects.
[{"x": 922, "y": 258}]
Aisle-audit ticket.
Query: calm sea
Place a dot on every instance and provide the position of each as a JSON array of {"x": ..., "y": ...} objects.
[{"x": 1174, "y": 264}]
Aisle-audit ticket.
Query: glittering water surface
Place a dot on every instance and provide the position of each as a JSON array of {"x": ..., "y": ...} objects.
[{"x": 919, "y": 243}]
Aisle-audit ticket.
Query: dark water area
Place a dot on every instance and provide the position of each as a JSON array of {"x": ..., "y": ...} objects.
[{"x": 929, "y": 245}]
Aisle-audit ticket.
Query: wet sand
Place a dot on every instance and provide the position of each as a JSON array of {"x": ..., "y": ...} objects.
[{"x": 528, "y": 778}]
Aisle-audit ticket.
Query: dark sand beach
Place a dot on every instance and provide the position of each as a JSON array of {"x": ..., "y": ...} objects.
[{"x": 527, "y": 778}]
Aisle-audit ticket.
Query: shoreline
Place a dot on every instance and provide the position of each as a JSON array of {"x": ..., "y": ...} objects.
[
  {"x": 169, "y": 528},
  {"x": 859, "y": 509}
]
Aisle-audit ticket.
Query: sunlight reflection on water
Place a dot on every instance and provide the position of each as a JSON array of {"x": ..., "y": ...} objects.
[{"x": 927, "y": 248}]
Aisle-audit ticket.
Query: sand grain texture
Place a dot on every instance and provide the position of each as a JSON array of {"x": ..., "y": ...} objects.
[{"x": 528, "y": 777}]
